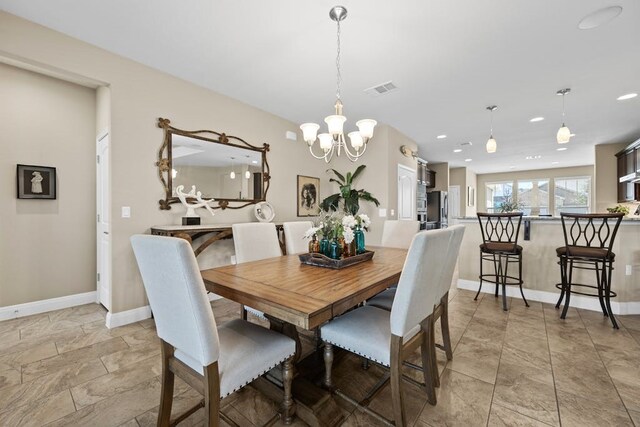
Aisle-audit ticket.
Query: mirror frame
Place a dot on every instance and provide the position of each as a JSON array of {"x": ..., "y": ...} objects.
[{"x": 165, "y": 163}]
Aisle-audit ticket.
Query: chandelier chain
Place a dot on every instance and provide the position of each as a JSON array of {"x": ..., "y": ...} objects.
[{"x": 338, "y": 75}]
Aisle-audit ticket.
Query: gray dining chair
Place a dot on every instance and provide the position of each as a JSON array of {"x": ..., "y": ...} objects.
[
  {"x": 214, "y": 360},
  {"x": 255, "y": 241},
  {"x": 385, "y": 299},
  {"x": 387, "y": 337},
  {"x": 295, "y": 243}
]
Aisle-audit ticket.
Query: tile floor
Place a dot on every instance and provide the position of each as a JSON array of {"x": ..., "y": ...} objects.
[{"x": 525, "y": 367}]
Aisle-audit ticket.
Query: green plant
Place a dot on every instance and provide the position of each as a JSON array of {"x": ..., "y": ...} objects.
[
  {"x": 348, "y": 198},
  {"x": 619, "y": 209},
  {"x": 510, "y": 205}
]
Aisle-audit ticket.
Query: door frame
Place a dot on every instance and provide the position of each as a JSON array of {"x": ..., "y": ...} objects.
[{"x": 103, "y": 204}]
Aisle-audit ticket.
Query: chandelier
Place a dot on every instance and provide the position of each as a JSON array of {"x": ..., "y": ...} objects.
[{"x": 334, "y": 141}]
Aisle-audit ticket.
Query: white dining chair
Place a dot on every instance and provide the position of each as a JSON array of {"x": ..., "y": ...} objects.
[
  {"x": 295, "y": 242},
  {"x": 395, "y": 234},
  {"x": 255, "y": 241},
  {"x": 214, "y": 360},
  {"x": 388, "y": 337},
  {"x": 399, "y": 234}
]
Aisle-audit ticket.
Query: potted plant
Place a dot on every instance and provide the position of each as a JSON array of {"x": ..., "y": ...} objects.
[{"x": 348, "y": 197}]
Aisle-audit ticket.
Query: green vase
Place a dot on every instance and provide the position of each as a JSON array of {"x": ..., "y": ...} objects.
[
  {"x": 324, "y": 246},
  {"x": 359, "y": 238}
]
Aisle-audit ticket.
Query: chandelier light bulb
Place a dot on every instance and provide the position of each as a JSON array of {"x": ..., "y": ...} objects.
[
  {"x": 326, "y": 142},
  {"x": 309, "y": 132},
  {"x": 365, "y": 127},
  {"x": 232, "y": 175},
  {"x": 335, "y": 123}
]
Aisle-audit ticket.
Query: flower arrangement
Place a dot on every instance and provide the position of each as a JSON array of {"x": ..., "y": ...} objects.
[{"x": 344, "y": 229}]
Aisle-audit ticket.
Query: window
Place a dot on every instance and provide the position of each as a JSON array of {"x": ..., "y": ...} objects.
[
  {"x": 533, "y": 196},
  {"x": 573, "y": 195},
  {"x": 496, "y": 194}
]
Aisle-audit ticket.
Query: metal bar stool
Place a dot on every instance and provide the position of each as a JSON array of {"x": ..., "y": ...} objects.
[
  {"x": 500, "y": 233},
  {"x": 588, "y": 241}
]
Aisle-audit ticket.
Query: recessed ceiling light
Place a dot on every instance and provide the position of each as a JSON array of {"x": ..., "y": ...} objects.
[
  {"x": 599, "y": 17},
  {"x": 441, "y": 136},
  {"x": 572, "y": 135},
  {"x": 561, "y": 149},
  {"x": 255, "y": 162},
  {"x": 536, "y": 119},
  {"x": 457, "y": 150},
  {"x": 554, "y": 163},
  {"x": 536, "y": 157},
  {"x": 512, "y": 167},
  {"x": 627, "y": 96},
  {"x": 467, "y": 160}
]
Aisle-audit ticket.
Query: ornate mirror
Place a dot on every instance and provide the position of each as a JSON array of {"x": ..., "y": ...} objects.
[{"x": 225, "y": 168}]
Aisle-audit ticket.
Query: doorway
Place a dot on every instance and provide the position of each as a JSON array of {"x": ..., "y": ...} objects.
[
  {"x": 103, "y": 217},
  {"x": 454, "y": 201}
]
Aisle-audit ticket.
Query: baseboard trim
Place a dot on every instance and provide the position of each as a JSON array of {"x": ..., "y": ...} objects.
[
  {"x": 129, "y": 316},
  {"x": 43, "y": 306},
  {"x": 577, "y": 301}
]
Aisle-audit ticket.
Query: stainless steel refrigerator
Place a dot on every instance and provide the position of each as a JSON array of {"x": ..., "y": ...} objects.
[{"x": 437, "y": 209}]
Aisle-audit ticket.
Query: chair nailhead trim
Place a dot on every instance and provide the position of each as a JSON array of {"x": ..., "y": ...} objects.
[
  {"x": 358, "y": 353},
  {"x": 251, "y": 380}
]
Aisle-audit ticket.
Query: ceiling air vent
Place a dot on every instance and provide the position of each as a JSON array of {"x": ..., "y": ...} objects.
[{"x": 381, "y": 89}]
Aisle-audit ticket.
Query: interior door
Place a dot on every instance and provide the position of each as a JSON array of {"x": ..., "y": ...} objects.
[
  {"x": 103, "y": 207},
  {"x": 406, "y": 193}
]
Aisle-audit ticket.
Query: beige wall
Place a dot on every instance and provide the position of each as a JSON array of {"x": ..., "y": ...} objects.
[
  {"x": 442, "y": 176},
  {"x": 395, "y": 158},
  {"x": 532, "y": 174},
  {"x": 464, "y": 178},
  {"x": 136, "y": 96},
  {"x": 47, "y": 247}
]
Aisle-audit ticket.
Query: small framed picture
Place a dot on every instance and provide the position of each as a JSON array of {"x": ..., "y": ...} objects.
[
  {"x": 36, "y": 182},
  {"x": 308, "y": 196}
]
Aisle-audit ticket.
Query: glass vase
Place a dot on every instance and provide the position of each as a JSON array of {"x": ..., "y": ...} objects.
[
  {"x": 314, "y": 245},
  {"x": 359, "y": 239},
  {"x": 324, "y": 246},
  {"x": 334, "y": 250},
  {"x": 349, "y": 249}
]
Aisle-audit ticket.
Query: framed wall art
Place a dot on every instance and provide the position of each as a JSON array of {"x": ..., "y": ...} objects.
[
  {"x": 308, "y": 196},
  {"x": 36, "y": 182}
]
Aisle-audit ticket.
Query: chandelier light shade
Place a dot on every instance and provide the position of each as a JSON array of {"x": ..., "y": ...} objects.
[
  {"x": 334, "y": 141},
  {"x": 564, "y": 134},
  {"x": 492, "y": 145},
  {"x": 247, "y": 174}
]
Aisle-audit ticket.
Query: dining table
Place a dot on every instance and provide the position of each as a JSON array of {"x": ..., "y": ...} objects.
[{"x": 295, "y": 296}]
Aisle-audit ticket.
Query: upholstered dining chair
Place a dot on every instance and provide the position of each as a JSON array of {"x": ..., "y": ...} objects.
[
  {"x": 395, "y": 234},
  {"x": 295, "y": 243},
  {"x": 384, "y": 300},
  {"x": 388, "y": 337},
  {"x": 214, "y": 360},
  {"x": 254, "y": 241}
]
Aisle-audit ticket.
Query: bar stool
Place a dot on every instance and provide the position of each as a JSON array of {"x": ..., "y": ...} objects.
[
  {"x": 588, "y": 241},
  {"x": 500, "y": 233}
]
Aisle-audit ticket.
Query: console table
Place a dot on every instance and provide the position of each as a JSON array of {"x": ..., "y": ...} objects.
[{"x": 219, "y": 231}]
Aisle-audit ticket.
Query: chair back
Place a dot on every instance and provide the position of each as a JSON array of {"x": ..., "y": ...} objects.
[
  {"x": 452, "y": 259},
  {"x": 294, "y": 236},
  {"x": 590, "y": 230},
  {"x": 255, "y": 241},
  {"x": 399, "y": 234},
  {"x": 177, "y": 296},
  {"x": 417, "y": 292},
  {"x": 500, "y": 227}
]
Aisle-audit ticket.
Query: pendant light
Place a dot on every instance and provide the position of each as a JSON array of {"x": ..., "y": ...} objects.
[
  {"x": 492, "y": 145},
  {"x": 232, "y": 175},
  {"x": 564, "y": 134}
]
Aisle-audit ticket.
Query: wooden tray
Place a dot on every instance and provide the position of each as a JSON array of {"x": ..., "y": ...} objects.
[{"x": 320, "y": 260}]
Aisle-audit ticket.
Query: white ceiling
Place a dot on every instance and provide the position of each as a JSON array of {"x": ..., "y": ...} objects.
[{"x": 449, "y": 59}]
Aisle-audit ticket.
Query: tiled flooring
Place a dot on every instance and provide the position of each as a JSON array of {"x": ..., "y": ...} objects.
[{"x": 523, "y": 367}]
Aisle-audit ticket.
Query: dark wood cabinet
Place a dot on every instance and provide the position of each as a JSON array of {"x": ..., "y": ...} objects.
[
  {"x": 430, "y": 178},
  {"x": 629, "y": 167}
]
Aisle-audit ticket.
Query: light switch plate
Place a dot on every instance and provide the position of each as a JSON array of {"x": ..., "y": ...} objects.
[
  {"x": 393, "y": 212},
  {"x": 126, "y": 212},
  {"x": 382, "y": 213},
  {"x": 291, "y": 135},
  {"x": 628, "y": 270}
]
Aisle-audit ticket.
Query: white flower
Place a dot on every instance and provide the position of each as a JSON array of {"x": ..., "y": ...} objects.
[
  {"x": 310, "y": 232},
  {"x": 348, "y": 235},
  {"x": 364, "y": 220},
  {"x": 349, "y": 221}
]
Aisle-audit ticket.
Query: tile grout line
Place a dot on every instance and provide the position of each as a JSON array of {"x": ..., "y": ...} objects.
[
  {"x": 553, "y": 375},
  {"x": 495, "y": 382},
  {"x": 605, "y": 366}
]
